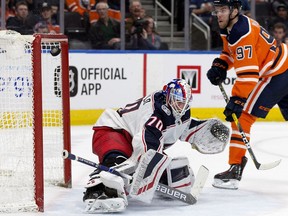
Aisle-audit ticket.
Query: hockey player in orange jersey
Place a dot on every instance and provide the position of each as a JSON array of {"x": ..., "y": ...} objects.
[{"x": 261, "y": 68}]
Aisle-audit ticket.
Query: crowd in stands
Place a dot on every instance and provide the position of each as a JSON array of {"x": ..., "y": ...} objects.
[
  {"x": 27, "y": 17},
  {"x": 276, "y": 21},
  {"x": 93, "y": 22},
  {"x": 97, "y": 22},
  {"x": 274, "y": 17}
]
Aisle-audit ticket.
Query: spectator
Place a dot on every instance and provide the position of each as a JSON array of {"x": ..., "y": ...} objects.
[
  {"x": 152, "y": 36},
  {"x": 30, "y": 3},
  {"x": 279, "y": 32},
  {"x": 203, "y": 9},
  {"x": 276, "y": 3},
  {"x": 105, "y": 33},
  {"x": 9, "y": 12},
  {"x": 281, "y": 16},
  {"x": 55, "y": 11},
  {"x": 86, "y": 8},
  {"x": 112, "y": 12},
  {"x": 139, "y": 38},
  {"x": 136, "y": 12},
  {"x": 46, "y": 17},
  {"x": 135, "y": 28},
  {"x": 22, "y": 22},
  {"x": 41, "y": 27}
]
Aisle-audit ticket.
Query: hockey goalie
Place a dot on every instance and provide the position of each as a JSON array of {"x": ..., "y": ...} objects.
[{"x": 132, "y": 140}]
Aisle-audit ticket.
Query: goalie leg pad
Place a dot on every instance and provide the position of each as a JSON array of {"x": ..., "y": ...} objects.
[
  {"x": 146, "y": 177},
  {"x": 180, "y": 175}
]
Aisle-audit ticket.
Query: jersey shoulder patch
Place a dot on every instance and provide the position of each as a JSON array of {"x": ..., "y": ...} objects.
[{"x": 166, "y": 109}]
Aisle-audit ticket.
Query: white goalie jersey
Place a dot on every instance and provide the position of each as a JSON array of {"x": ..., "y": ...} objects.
[{"x": 152, "y": 125}]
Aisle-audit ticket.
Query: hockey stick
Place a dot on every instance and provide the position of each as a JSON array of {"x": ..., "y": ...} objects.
[
  {"x": 189, "y": 198},
  {"x": 258, "y": 165}
]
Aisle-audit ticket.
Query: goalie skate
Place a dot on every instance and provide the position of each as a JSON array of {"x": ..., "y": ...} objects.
[
  {"x": 104, "y": 204},
  {"x": 105, "y": 193}
]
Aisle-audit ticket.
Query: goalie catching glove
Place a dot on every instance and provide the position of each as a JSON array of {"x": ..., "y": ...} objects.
[{"x": 208, "y": 136}]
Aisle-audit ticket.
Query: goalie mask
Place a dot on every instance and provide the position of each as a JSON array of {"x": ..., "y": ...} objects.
[{"x": 178, "y": 96}]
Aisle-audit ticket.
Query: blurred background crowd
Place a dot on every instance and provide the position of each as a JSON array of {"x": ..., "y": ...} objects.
[{"x": 148, "y": 24}]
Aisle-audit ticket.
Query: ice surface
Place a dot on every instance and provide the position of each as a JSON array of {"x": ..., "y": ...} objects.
[{"x": 261, "y": 193}]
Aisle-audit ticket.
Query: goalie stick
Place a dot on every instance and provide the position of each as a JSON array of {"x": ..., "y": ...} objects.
[
  {"x": 189, "y": 198},
  {"x": 258, "y": 165}
]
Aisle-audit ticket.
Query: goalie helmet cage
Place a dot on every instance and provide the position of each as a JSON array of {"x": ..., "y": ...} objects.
[{"x": 34, "y": 118}]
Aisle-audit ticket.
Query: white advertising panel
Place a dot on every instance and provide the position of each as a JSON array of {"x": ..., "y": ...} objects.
[
  {"x": 193, "y": 68},
  {"x": 99, "y": 81},
  {"x": 102, "y": 80}
]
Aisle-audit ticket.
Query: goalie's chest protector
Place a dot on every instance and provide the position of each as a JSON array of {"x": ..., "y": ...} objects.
[
  {"x": 154, "y": 116},
  {"x": 174, "y": 129}
]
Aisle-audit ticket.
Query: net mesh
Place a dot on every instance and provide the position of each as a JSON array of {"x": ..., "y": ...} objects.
[{"x": 16, "y": 121}]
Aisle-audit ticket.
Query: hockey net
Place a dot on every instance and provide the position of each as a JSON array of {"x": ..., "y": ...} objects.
[{"x": 34, "y": 119}]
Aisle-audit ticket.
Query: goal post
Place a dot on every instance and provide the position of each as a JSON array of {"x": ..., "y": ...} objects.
[{"x": 34, "y": 118}]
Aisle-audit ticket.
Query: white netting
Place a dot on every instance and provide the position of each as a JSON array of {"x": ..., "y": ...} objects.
[{"x": 16, "y": 121}]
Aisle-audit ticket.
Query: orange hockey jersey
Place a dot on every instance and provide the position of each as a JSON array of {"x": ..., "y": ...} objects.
[{"x": 253, "y": 53}]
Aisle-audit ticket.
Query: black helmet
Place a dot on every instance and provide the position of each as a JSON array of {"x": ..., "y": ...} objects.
[{"x": 230, "y": 3}]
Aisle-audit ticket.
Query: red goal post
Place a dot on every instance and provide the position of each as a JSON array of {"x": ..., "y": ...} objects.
[{"x": 34, "y": 118}]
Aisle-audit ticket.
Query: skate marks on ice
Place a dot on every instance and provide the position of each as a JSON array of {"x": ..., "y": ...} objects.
[
  {"x": 261, "y": 193},
  {"x": 213, "y": 202},
  {"x": 280, "y": 143}
]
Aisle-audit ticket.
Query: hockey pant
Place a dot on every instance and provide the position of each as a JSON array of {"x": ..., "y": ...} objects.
[{"x": 110, "y": 141}]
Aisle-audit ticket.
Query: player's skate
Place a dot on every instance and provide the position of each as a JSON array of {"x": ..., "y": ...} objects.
[
  {"x": 230, "y": 178},
  {"x": 105, "y": 193}
]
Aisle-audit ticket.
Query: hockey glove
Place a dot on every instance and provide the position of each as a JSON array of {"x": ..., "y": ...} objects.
[
  {"x": 235, "y": 105},
  {"x": 218, "y": 71}
]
